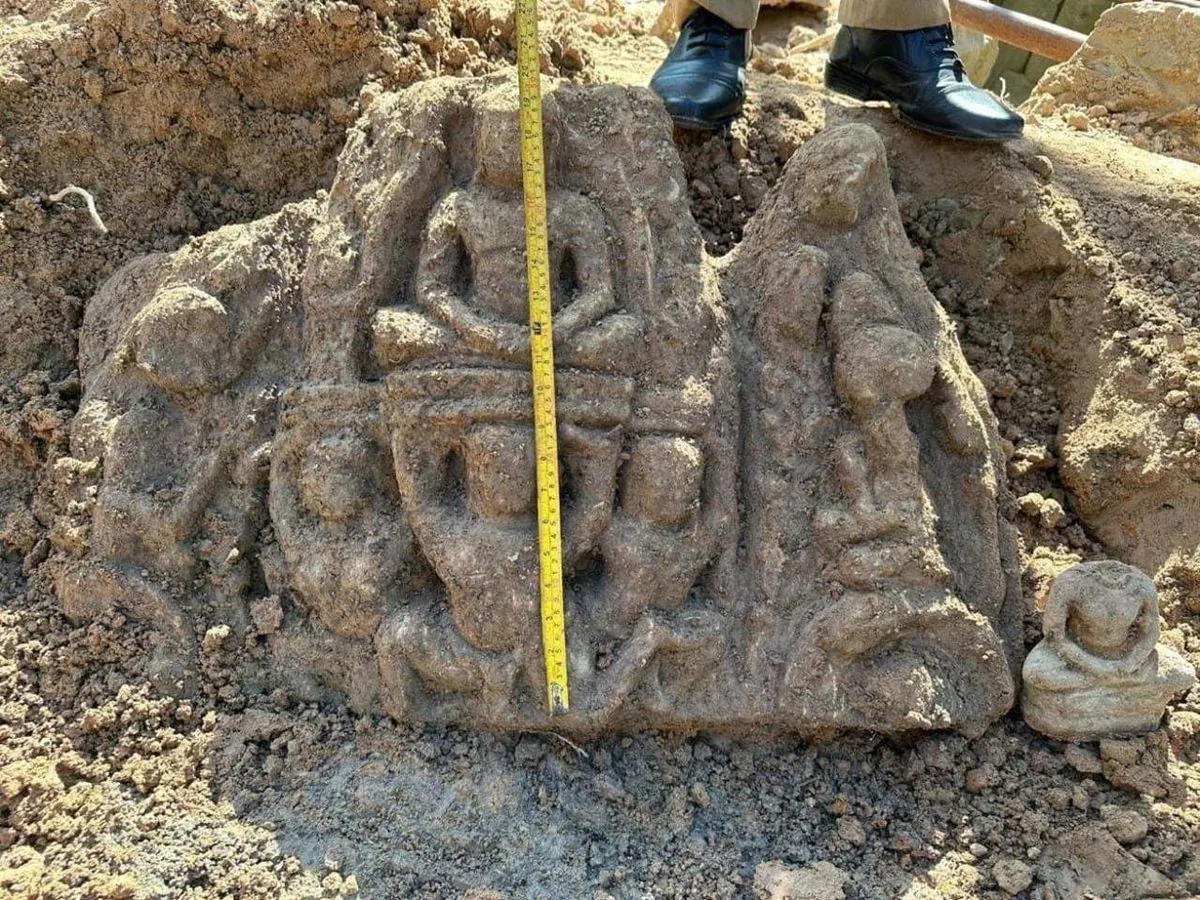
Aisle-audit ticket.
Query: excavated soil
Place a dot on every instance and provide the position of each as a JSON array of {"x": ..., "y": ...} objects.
[{"x": 1068, "y": 262}]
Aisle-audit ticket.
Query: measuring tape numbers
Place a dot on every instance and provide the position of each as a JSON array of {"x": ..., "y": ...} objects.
[{"x": 533, "y": 167}]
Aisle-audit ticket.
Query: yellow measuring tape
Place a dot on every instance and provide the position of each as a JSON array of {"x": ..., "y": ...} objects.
[{"x": 533, "y": 167}]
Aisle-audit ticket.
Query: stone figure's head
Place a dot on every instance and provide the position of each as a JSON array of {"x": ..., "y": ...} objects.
[
  {"x": 662, "y": 481},
  {"x": 498, "y": 137},
  {"x": 180, "y": 338},
  {"x": 1108, "y": 606}
]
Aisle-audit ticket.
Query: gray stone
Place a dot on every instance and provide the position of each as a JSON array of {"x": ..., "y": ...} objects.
[
  {"x": 1088, "y": 862},
  {"x": 820, "y": 881},
  {"x": 1126, "y": 825},
  {"x": 1012, "y": 876},
  {"x": 1083, "y": 760},
  {"x": 1099, "y": 670}
]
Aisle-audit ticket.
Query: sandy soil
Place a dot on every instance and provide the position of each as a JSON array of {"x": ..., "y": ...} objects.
[{"x": 1068, "y": 261}]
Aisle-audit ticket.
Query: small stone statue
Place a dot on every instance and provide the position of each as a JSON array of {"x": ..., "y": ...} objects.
[{"x": 1100, "y": 671}]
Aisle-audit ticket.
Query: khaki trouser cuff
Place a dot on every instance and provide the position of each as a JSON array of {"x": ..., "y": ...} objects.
[
  {"x": 738, "y": 13},
  {"x": 894, "y": 15},
  {"x": 884, "y": 15}
]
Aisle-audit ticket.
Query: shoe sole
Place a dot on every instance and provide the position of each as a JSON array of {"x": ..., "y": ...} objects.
[
  {"x": 851, "y": 84},
  {"x": 843, "y": 81},
  {"x": 688, "y": 124}
]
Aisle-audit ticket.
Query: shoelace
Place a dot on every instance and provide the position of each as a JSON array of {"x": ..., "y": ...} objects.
[{"x": 941, "y": 42}]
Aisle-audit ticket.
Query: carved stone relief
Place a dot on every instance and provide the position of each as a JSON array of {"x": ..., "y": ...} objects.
[{"x": 780, "y": 479}]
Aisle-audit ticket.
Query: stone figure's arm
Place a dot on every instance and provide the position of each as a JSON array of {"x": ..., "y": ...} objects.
[
  {"x": 130, "y": 506},
  {"x": 1146, "y": 642},
  {"x": 853, "y": 520},
  {"x": 437, "y": 292},
  {"x": 240, "y": 454},
  {"x": 1081, "y": 659},
  {"x": 683, "y": 554},
  {"x": 960, "y": 426},
  {"x": 580, "y": 225},
  {"x": 201, "y": 488},
  {"x": 1054, "y": 630}
]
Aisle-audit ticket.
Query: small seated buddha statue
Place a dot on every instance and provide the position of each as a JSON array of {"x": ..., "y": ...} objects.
[{"x": 1099, "y": 670}]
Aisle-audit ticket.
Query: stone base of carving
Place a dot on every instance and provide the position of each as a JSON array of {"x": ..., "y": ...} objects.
[{"x": 1069, "y": 706}]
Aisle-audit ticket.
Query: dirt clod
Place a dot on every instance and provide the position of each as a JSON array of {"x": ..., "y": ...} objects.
[
  {"x": 775, "y": 881},
  {"x": 1012, "y": 876}
]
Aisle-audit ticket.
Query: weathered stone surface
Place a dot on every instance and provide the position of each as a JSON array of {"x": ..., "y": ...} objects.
[
  {"x": 316, "y": 431},
  {"x": 871, "y": 466},
  {"x": 1088, "y": 862},
  {"x": 1100, "y": 671}
]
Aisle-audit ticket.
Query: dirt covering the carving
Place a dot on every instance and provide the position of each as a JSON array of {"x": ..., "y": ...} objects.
[{"x": 1066, "y": 262}]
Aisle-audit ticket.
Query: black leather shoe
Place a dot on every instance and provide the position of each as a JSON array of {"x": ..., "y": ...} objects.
[
  {"x": 702, "y": 82},
  {"x": 920, "y": 74}
]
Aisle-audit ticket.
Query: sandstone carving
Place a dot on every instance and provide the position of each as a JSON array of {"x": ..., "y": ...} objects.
[
  {"x": 186, "y": 356},
  {"x": 1100, "y": 671},
  {"x": 780, "y": 479},
  {"x": 871, "y": 471}
]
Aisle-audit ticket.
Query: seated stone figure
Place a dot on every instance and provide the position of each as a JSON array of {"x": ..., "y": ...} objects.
[
  {"x": 1099, "y": 670},
  {"x": 179, "y": 499},
  {"x": 470, "y": 279},
  {"x": 336, "y": 511},
  {"x": 662, "y": 535}
]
